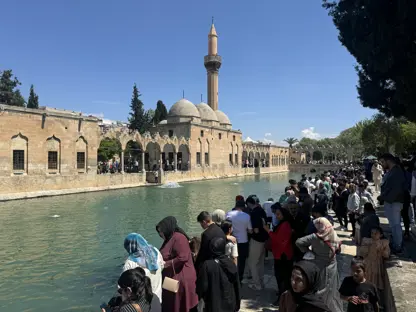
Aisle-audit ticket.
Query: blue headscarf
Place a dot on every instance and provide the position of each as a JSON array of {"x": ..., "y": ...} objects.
[{"x": 141, "y": 252}]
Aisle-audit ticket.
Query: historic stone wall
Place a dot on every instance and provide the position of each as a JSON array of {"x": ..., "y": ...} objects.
[
  {"x": 37, "y": 132},
  {"x": 306, "y": 168}
]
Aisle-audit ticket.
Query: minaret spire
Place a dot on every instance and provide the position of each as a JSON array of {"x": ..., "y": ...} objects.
[{"x": 212, "y": 63}]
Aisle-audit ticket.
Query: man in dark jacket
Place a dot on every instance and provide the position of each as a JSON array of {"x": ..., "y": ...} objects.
[
  {"x": 393, "y": 189},
  {"x": 211, "y": 230}
]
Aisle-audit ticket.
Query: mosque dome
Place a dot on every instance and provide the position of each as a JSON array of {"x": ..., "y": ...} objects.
[
  {"x": 163, "y": 122},
  {"x": 184, "y": 108},
  {"x": 206, "y": 112},
  {"x": 223, "y": 118}
]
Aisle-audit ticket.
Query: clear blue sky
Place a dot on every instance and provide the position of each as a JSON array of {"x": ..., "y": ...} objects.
[{"x": 283, "y": 71}]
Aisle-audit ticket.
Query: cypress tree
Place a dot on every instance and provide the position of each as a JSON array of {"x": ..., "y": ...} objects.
[{"x": 33, "y": 101}]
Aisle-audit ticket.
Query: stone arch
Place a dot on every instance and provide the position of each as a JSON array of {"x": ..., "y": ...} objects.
[
  {"x": 19, "y": 153},
  {"x": 108, "y": 155},
  {"x": 184, "y": 160},
  {"x": 168, "y": 156},
  {"x": 244, "y": 157},
  {"x": 251, "y": 159},
  {"x": 267, "y": 159},
  {"x": 153, "y": 156},
  {"x": 133, "y": 153},
  {"x": 263, "y": 159},
  {"x": 81, "y": 153},
  {"x": 317, "y": 155},
  {"x": 257, "y": 159},
  {"x": 207, "y": 153},
  {"x": 53, "y": 149}
]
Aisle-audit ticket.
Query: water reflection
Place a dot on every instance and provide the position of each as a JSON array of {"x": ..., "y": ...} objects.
[{"x": 72, "y": 262}]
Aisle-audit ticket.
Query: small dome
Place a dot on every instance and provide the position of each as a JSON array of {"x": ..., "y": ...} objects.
[
  {"x": 184, "y": 108},
  {"x": 222, "y": 118},
  {"x": 206, "y": 112},
  {"x": 163, "y": 122}
]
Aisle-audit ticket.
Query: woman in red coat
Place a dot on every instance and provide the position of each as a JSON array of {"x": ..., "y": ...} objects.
[
  {"x": 282, "y": 248},
  {"x": 178, "y": 265}
]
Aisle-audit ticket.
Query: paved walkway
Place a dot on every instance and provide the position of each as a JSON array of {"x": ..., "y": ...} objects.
[{"x": 260, "y": 301}]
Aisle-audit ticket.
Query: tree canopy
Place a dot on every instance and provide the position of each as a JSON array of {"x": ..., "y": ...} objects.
[
  {"x": 139, "y": 119},
  {"x": 9, "y": 94},
  {"x": 381, "y": 35},
  {"x": 161, "y": 113},
  {"x": 291, "y": 141},
  {"x": 33, "y": 101}
]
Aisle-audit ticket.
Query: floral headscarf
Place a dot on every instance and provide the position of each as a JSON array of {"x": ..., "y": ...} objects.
[
  {"x": 141, "y": 252},
  {"x": 327, "y": 233}
]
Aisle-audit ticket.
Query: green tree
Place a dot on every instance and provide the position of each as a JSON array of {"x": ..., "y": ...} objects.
[
  {"x": 33, "y": 101},
  {"x": 108, "y": 149},
  {"x": 138, "y": 119},
  {"x": 161, "y": 113},
  {"x": 381, "y": 35},
  {"x": 9, "y": 94},
  {"x": 291, "y": 141}
]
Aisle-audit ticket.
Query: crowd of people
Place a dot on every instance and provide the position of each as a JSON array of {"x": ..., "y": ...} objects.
[{"x": 206, "y": 273}]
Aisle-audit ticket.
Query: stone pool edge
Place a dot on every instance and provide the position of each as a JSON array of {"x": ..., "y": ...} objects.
[{"x": 50, "y": 193}]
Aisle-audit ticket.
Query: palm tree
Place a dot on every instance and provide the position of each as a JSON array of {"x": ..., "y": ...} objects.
[{"x": 291, "y": 141}]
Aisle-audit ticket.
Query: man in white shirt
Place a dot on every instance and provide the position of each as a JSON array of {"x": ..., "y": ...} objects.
[
  {"x": 267, "y": 206},
  {"x": 241, "y": 227}
]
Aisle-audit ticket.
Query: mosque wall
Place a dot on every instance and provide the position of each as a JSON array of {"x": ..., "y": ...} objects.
[{"x": 43, "y": 142}]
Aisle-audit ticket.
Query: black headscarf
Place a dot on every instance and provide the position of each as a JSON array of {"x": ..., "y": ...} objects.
[
  {"x": 217, "y": 251},
  {"x": 168, "y": 226},
  {"x": 309, "y": 296}
]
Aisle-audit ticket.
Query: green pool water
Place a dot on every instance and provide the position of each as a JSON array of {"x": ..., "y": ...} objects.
[{"x": 65, "y": 253}]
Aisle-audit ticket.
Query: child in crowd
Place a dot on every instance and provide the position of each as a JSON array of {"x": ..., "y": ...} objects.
[
  {"x": 362, "y": 296},
  {"x": 231, "y": 250},
  {"x": 375, "y": 250},
  {"x": 194, "y": 245}
]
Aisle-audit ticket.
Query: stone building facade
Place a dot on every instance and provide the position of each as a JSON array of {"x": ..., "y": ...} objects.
[{"x": 49, "y": 151}]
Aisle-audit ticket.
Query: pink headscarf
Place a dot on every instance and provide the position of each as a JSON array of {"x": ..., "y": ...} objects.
[{"x": 327, "y": 233}]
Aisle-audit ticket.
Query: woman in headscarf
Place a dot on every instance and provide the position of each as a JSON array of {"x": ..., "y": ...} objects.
[
  {"x": 218, "y": 283},
  {"x": 303, "y": 294},
  {"x": 178, "y": 265},
  {"x": 325, "y": 245},
  {"x": 147, "y": 257},
  {"x": 282, "y": 248}
]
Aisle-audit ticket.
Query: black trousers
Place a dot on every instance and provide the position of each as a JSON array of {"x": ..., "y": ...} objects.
[
  {"x": 342, "y": 216},
  {"x": 242, "y": 257},
  {"x": 283, "y": 272},
  {"x": 352, "y": 221}
]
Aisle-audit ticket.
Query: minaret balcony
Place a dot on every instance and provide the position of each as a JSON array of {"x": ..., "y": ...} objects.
[{"x": 212, "y": 59}]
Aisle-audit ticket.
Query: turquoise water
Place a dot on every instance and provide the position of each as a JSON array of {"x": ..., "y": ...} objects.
[{"x": 72, "y": 262}]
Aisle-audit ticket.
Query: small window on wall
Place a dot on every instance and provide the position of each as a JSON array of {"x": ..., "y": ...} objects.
[
  {"x": 198, "y": 158},
  {"x": 80, "y": 160},
  {"x": 219, "y": 136},
  {"x": 236, "y": 159},
  {"x": 18, "y": 160},
  {"x": 233, "y": 137},
  {"x": 231, "y": 159},
  {"x": 206, "y": 159},
  {"x": 170, "y": 133},
  {"x": 53, "y": 160},
  {"x": 202, "y": 133}
]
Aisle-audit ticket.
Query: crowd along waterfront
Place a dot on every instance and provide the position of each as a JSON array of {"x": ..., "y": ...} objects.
[{"x": 66, "y": 253}]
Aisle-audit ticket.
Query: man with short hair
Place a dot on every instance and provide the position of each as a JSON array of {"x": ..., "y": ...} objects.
[
  {"x": 392, "y": 193},
  {"x": 258, "y": 238},
  {"x": 241, "y": 228},
  {"x": 211, "y": 230}
]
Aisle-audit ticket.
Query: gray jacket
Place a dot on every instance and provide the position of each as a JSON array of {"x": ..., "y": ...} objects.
[{"x": 394, "y": 186}]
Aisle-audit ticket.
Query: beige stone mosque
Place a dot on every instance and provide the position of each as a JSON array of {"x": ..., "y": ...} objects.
[{"x": 54, "y": 151}]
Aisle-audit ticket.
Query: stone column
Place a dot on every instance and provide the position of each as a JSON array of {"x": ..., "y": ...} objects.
[
  {"x": 122, "y": 162},
  {"x": 143, "y": 163},
  {"x": 175, "y": 160}
]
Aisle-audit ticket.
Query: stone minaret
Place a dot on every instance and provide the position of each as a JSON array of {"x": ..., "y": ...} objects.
[{"x": 212, "y": 63}]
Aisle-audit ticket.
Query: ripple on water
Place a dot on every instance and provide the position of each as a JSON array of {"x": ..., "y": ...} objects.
[{"x": 72, "y": 263}]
